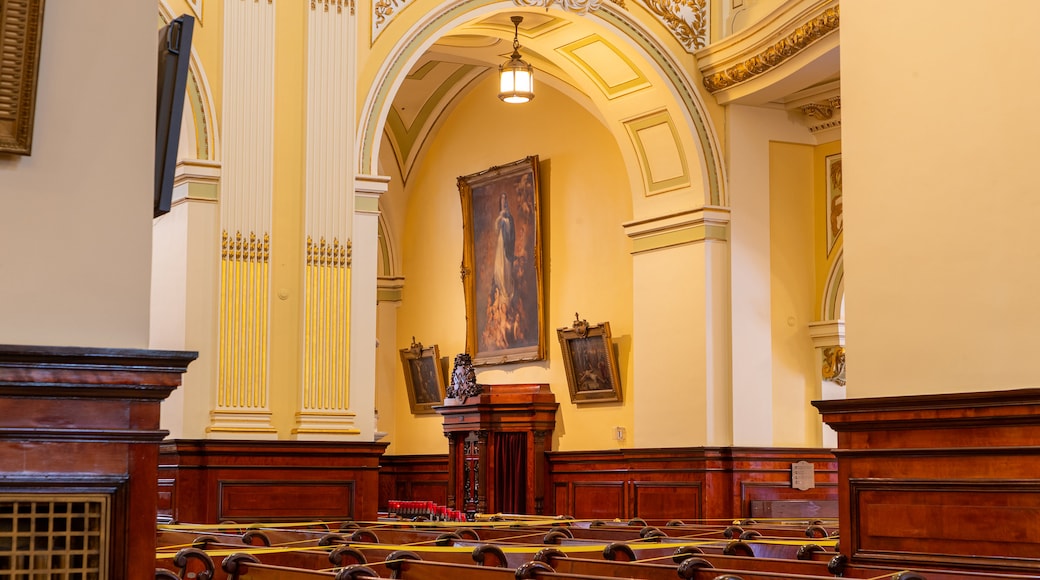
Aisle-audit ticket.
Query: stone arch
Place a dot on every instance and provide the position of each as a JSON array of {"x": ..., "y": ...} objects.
[
  {"x": 675, "y": 89},
  {"x": 833, "y": 305}
]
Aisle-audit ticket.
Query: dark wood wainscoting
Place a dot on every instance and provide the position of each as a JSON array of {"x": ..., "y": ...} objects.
[
  {"x": 79, "y": 441},
  {"x": 949, "y": 479},
  {"x": 692, "y": 483},
  {"x": 413, "y": 477},
  {"x": 209, "y": 481}
]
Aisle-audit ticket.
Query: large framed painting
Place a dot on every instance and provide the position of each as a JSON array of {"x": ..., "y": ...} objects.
[
  {"x": 590, "y": 363},
  {"x": 502, "y": 263},
  {"x": 834, "y": 214},
  {"x": 423, "y": 377}
]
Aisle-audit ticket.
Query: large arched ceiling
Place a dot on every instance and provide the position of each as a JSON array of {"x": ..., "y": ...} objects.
[
  {"x": 465, "y": 54},
  {"x": 789, "y": 60}
]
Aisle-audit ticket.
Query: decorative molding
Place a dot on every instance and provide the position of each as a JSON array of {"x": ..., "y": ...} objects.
[
  {"x": 700, "y": 225},
  {"x": 687, "y": 19},
  {"x": 661, "y": 156},
  {"x": 827, "y": 333},
  {"x": 796, "y": 41},
  {"x": 244, "y": 322},
  {"x": 593, "y": 54},
  {"x": 834, "y": 364},
  {"x": 822, "y": 114},
  {"x": 577, "y": 6},
  {"x": 383, "y": 12},
  {"x": 337, "y": 4},
  {"x": 21, "y": 22}
]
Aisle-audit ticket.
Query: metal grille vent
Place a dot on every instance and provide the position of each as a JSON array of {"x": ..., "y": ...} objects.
[{"x": 53, "y": 537}]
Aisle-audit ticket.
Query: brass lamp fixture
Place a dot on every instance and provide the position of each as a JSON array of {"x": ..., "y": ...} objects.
[{"x": 516, "y": 77}]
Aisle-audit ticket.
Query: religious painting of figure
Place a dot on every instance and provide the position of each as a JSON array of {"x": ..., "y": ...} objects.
[
  {"x": 589, "y": 361},
  {"x": 834, "y": 214},
  {"x": 423, "y": 377},
  {"x": 502, "y": 265}
]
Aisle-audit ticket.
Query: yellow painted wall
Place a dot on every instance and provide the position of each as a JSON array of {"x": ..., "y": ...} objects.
[
  {"x": 587, "y": 266},
  {"x": 791, "y": 172},
  {"x": 76, "y": 215}
]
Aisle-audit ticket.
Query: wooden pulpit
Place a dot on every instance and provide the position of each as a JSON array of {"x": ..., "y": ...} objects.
[{"x": 496, "y": 448}]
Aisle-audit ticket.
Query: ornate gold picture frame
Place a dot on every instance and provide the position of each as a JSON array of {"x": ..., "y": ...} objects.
[
  {"x": 21, "y": 23},
  {"x": 502, "y": 263},
  {"x": 423, "y": 377},
  {"x": 590, "y": 363}
]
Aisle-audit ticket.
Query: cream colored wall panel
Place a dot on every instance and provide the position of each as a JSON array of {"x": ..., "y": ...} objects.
[
  {"x": 931, "y": 306},
  {"x": 75, "y": 216},
  {"x": 751, "y": 129},
  {"x": 792, "y": 297}
]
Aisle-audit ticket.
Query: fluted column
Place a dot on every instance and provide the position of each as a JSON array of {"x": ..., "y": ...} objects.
[
  {"x": 325, "y": 405},
  {"x": 242, "y": 402}
]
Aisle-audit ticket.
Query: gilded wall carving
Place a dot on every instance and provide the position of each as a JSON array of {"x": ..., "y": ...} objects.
[
  {"x": 687, "y": 19},
  {"x": 782, "y": 50}
]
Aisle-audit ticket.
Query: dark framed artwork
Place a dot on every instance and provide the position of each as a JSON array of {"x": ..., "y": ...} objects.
[
  {"x": 21, "y": 24},
  {"x": 590, "y": 363},
  {"x": 423, "y": 377},
  {"x": 502, "y": 263}
]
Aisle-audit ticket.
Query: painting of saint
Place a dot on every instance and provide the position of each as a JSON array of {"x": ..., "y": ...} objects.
[{"x": 503, "y": 264}]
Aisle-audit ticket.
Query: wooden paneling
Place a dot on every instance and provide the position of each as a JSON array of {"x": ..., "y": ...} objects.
[
  {"x": 948, "y": 479},
  {"x": 413, "y": 477},
  {"x": 247, "y": 481},
  {"x": 599, "y": 499},
  {"x": 692, "y": 482},
  {"x": 84, "y": 423},
  {"x": 661, "y": 500},
  {"x": 283, "y": 500}
]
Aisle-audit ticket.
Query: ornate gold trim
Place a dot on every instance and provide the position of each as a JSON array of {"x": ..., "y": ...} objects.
[
  {"x": 692, "y": 35},
  {"x": 578, "y": 6},
  {"x": 834, "y": 364},
  {"x": 775, "y": 55}
]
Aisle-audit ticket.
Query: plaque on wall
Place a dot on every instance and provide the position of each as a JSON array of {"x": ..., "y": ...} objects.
[{"x": 803, "y": 475}]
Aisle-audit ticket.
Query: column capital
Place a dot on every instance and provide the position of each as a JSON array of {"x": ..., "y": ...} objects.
[
  {"x": 697, "y": 225},
  {"x": 826, "y": 333},
  {"x": 367, "y": 189}
]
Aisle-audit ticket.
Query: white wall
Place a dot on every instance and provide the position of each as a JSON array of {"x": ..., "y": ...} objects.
[
  {"x": 76, "y": 216},
  {"x": 941, "y": 240}
]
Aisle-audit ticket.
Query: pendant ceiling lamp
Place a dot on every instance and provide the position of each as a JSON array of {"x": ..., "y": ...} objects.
[{"x": 516, "y": 77}]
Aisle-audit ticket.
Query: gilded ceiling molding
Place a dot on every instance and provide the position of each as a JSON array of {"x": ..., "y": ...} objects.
[
  {"x": 578, "y": 6},
  {"x": 782, "y": 50},
  {"x": 687, "y": 19},
  {"x": 822, "y": 115},
  {"x": 383, "y": 11}
]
